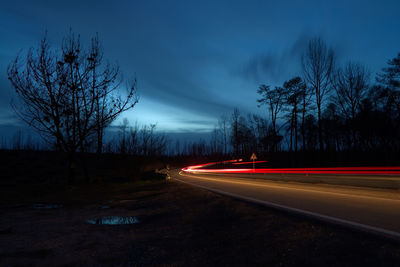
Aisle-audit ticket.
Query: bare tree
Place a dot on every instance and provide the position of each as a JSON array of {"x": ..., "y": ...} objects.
[
  {"x": 305, "y": 103},
  {"x": 258, "y": 127},
  {"x": 133, "y": 145},
  {"x": 235, "y": 126},
  {"x": 274, "y": 99},
  {"x": 317, "y": 64},
  {"x": 215, "y": 147},
  {"x": 151, "y": 143},
  {"x": 123, "y": 140},
  {"x": 68, "y": 95},
  {"x": 351, "y": 86},
  {"x": 223, "y": 128}
]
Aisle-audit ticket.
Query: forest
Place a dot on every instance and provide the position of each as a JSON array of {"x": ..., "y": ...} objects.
[{"x": 330, "y": 114}]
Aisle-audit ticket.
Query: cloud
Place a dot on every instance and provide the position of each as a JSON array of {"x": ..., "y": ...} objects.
[
  {"x": 261, "y": 66},
  {"x": 186, "y": 95},
  {"x": 300, "y": 45},
  {"x": 274, "y": 67}
]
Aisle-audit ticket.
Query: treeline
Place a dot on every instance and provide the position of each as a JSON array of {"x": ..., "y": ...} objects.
[
  {"x": 71, "y": 97},
  {"x": 137, "y": 140},
  {"x": 334, "y": 107},
  {"x": 330, "y": 108},
  {"x": 22, "y": 141}
]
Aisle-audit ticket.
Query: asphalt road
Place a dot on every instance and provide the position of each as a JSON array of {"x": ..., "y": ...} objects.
[{"x": 373, "y": 210}]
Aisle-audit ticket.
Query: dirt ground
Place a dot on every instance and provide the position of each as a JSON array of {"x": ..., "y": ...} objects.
[{"x": 178, "y": 226}]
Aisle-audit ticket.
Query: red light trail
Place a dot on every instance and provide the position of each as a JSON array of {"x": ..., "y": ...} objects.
[{"x": 330, "y": 170}]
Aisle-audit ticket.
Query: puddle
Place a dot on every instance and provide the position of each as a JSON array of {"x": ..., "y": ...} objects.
[
  {"x": 46, "y": 206},
  {"x": 114, "y": 220}
]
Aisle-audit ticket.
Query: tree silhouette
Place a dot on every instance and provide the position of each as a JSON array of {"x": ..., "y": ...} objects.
[
  {"x": 389, "y": 82},
  {"x": 305, "y": 103},
  {"x": 391, "y": 75},
  {"x": 235, "y": 131},
  {"x": 274, "y": 99},
  {"x": 317, "y": 64},
  {"x": 294, "y": 88},
  {"x": 223, "y": 131},
  {"x": 69, "y": 95},
  {"x": 351, "y": 86}
]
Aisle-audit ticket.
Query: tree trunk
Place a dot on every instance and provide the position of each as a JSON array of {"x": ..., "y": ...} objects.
[
  {"x": 295, "y": 127},
  {"x": 291, "y": 134}
]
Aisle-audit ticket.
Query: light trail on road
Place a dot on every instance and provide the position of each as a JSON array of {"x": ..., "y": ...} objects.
[
  {"x": 392, "y": 170},
  {"x": 370, "y": 209}
]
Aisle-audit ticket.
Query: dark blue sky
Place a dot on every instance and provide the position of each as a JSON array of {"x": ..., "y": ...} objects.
[{"x": 197, "y": 60}]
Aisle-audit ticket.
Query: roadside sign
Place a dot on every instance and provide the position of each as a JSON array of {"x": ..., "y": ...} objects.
[{"x": 253, "y": 158}]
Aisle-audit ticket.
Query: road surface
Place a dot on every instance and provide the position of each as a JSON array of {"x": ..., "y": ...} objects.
[{"x": 373, "y": 210}]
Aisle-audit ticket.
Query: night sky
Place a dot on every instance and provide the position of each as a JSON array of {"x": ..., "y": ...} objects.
[{"x": 197, "y": 60}]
